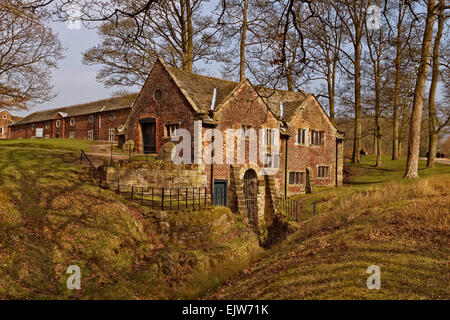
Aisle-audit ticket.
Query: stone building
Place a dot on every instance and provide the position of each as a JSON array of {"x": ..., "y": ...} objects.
[
  {"x": 6, "y": 119},
  {"x": 310, "y": 145},
  {"x": 96, "y": 120}
]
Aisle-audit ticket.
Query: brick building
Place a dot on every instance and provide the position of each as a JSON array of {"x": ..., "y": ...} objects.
[
  {"x": 310, "y": 145},
  {"x": 6, "y": 119},
  {"x": 96, "y": 120}
]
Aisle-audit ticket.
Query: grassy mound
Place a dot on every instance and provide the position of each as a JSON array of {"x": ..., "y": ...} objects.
[
  {"x": 401, "y": 227},
  {"x": 51, "y": 217}
]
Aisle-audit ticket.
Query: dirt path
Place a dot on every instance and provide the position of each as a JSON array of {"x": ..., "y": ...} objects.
[
  {"x": 440, "y": 160},
  {"x": 104, "y": 151}
]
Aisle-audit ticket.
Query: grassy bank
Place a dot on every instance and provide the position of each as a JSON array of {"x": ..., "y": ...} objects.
[
  {"x": 403, "y": 226},
  {"x": 52, "y": 216},
  {"x": 52, "y": 144}
]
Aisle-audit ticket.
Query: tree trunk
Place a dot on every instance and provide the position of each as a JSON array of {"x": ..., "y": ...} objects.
[
  {"x": 243, "y": 42},
  {"x": 398, "y": 44},
  {"x": 357, "y": 131},
  {"x": 184, "y": 42},
  {"x": 378, "y": 111},
  {"x": 416, "y": 116},
  {"x": 432, "y": 120},
  {"x": 190, "y": 36}
]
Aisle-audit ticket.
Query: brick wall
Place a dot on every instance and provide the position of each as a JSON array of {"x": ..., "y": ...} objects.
[
  {"x": 312, "y": 156},
  {"x": 171, "y": 108},
  {"x": 100, "y": 126},
  {"x": 5, "y": 120}
]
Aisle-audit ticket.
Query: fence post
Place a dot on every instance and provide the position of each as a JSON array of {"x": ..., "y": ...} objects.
[
  {"x": 132, "y": 191},
  {"x": 193, "y": 198},
  {"x": 81, "y": 157},
  {"x": 118, "y": 186},
  {"x": 162, "y": 200},
  {"x": 142, "y": 196},
  {"x": 199, "y": 199},
  {"x": 186, "y": 198}
]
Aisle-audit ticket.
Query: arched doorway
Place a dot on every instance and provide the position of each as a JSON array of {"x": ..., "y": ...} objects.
[{"x": 250, "y": 195}]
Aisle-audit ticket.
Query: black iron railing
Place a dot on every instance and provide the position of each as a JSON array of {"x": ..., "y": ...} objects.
[
  {"x": 297, "y": 210},
  {"x": 167, "y": 199},
  {"x": 93, "y": 171}
]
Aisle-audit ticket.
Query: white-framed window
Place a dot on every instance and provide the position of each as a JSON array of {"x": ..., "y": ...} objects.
[
  {"x": 323, "y": 171},
  {"x": 72, "y": 122},
  {"x": 316, "y": 138},
  {"x": 171, "y": 129},
  {"x": 91, "y": 119},
  {"x": 245, "y": 131},
  {"x": 270, "y": 137},
  {"x": 296, "y": 177},
  {"x": 112, "y": 117},
  {"x": 58, "y": 123},
  {"x": 271, "y": 160},
  {"x": 72, "y": 135},
  {"x": 301, "y": 137},
  {"x": 47, "y": 125},
  {"x": 111, "y": 134},
  {"x": 32, "y": 127},
  {"x": 4, "y": 116},
  {"x": 91, "y": 135}
]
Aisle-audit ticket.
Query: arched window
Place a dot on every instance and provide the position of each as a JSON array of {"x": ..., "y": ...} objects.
[
  {"x": 58, "y": 123},
  {"x": 112, "y": 117},
  {"x": 72, "y": 122},
  {"x": 157, "y": 95}
]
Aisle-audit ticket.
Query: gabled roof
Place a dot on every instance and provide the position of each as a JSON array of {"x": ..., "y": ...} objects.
[
  {"x": 199, "y": 89},
  {"x": 110, "y": 104},
  {"x": 272, "y": 97}
]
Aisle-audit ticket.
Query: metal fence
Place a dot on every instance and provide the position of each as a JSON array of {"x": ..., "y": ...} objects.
[
  {"x": 167, "y": 199},
  {"x": 297, "y": 210}
]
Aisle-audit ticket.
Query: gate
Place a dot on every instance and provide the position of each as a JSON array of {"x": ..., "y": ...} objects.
[{"x": 250, "y": 193}]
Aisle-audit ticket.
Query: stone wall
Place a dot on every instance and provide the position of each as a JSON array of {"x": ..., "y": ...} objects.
[{"x": 156, "y": 174}]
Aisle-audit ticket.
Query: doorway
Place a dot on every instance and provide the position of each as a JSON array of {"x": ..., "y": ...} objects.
[
  {"x": 250, "y": 195},
  {"x": 220, "y": 193},
  {"x": 148, "y": 135}
]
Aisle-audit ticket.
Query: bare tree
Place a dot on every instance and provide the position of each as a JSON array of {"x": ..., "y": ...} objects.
[
  {"x": 433, "y": 126},
  {"x": 28, "y": 52},
  {"x": 324, "y": 38},
  {"x": 175, "y": 30},
  {"x": 416, "y": 116},
  {"x": 378, "y": 47},
  {"x": 352, "y": 15}
]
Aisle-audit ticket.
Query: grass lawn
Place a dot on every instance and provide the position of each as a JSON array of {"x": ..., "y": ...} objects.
[
  {"x": 402, "y": 226},
  {"x": 54, "y": 144}
]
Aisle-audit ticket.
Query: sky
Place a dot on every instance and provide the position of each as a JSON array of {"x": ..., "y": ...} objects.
[{"x": 73, "y": 81}]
